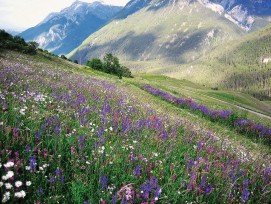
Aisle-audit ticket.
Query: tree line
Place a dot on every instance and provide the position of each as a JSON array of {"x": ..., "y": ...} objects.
[
  {"x": 111, "y": 65},
  {"x": 17, "y": 43}
]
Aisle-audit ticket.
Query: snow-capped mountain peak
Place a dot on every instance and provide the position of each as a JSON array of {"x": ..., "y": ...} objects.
[{"x": 72, "y": 24}]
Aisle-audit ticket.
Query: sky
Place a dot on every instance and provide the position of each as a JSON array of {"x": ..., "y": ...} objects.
[{"x": 18, "y": 15}]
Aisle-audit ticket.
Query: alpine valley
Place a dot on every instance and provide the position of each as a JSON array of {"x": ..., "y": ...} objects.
[{"x": 174, "y": 37}]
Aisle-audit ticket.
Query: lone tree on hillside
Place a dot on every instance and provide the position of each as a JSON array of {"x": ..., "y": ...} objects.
[{"x": 110, "y": 65}]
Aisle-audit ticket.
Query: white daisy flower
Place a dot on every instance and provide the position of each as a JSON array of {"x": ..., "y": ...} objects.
[
  {"x": 8, "y": 186},
  {"x": 10, "y": 174},
  {"x": 9, "y": 164},
  {"x": 6, "y": 197},
  {"x": 22, "y": 111},
  {"x": 4, "y": 178},
  {"x": 18, "y": 184},
  {"x": 20, "y": 194}
]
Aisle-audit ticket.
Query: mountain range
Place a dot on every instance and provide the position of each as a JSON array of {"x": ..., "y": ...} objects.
[
  {"x": 63, "y": 31},
  {"x": 158, "y": 32},
  {"x": 185, "y": 39}
]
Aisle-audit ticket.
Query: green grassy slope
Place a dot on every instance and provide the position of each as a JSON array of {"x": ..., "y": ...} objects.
[
  {"x": 217, "y": 99},
  {"x": 86, "y": 136},
  {"x": 181, "y": 88},
  {"x": 175, "y": 34}
]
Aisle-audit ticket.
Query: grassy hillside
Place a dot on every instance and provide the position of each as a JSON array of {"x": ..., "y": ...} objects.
[
  {"x": 70, "y": 134},
  {"x": 241, "y": 65},
  {"x": 174, "y": 34},
  {"x": 220, "y": 99}
]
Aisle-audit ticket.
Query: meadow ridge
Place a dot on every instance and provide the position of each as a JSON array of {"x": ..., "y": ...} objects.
[
  {"x": 71, "y": 135},
  {"x": 227, "y": 117}
]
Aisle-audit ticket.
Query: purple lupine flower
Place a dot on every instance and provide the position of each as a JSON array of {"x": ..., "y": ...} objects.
[
  {"x": 28, "y": 148},
  {"x": 52, "y": 180},
  {"x": 203, "y": 182},
  {"x": 57, "y": 129},
  {"x": 225, "y": 113},
  {"x": 157, "y": 193},
  {"x": 84, "y": 111},
  {"x": 38, "y": 135},
  {"x": 246, "y": 182},
  {"x": 62, "y": 179},
  {"x": 153, "y": 182},
  {"x": 81, "y": 142},
  {"x": 208, "y": 189},
  {"x": 114, "y": 199},
  {"x": 137, "y": 171},
  {"x": 193, "y": 105},
  {"x": 200, "y": 145},
  {"x": 164, "y": 135},
  {"x": 33, "y": 163},
  {"x": 204, "y": 109},
  {"x": 40, "y": 191},
  {"x": 189, "y": 186},
  {"x": 100, "y": 132},
  {"x": 245, "y": 195},
  {"x": 57, "y": 172},
  {"x": 103, "y": 181},
  {"x": 193, "y": 176},
  {"x": 241, "y": 122},
  {"x": 124, "y": 201}
]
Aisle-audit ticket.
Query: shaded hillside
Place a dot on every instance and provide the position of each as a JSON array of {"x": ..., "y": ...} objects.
[{"x": 243, "y": 65}]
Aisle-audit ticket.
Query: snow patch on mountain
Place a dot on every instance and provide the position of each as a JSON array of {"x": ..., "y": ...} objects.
[
  {"x": 266, "y": 60},
  {"x": 55, "y": 33},
  {"x": 238, "y": 14},
  {"x": 240, "y": 17},
  {"x": 214, "y": 7}
]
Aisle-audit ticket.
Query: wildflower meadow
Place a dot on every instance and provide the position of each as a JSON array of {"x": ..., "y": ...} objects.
[{"x": 70, "y": 137}]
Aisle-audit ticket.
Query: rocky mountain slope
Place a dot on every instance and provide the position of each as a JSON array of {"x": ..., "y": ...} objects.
[
  {"x": 173, "y": 31},
  {"x": 63, "y": 31},
  {"x": 157, "y": 33}
]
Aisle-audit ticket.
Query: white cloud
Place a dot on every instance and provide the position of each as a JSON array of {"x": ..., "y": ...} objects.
[{"x": 22, "y": 14}]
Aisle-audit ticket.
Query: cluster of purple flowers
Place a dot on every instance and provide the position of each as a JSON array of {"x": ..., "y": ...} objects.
[
  {"x": 244, "y": 125},
  {"x": 252, "y": 127},
  {"x": 150, "y": 187},
  {"x": 188, "y": 102}
]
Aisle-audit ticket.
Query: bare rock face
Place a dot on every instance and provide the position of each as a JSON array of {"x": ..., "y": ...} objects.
[{"x": 243, "y": 12}]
